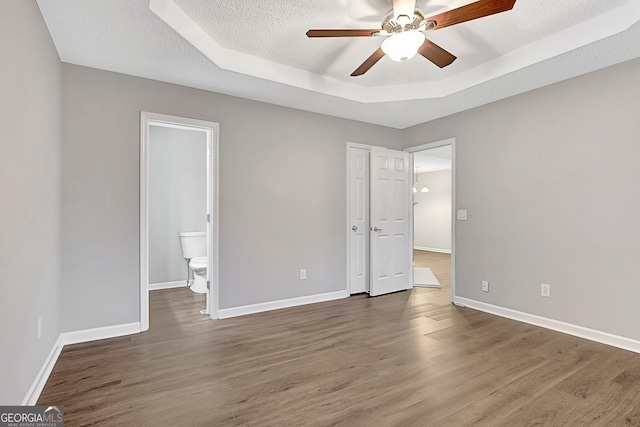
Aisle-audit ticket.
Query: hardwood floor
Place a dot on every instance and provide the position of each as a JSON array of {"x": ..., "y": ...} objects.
[
  {"x": 440, "y": 265},
  {"x": 405, "y": 359}
]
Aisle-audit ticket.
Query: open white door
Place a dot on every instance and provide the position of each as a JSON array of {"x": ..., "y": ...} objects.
[{"x": 390, "y": 221}]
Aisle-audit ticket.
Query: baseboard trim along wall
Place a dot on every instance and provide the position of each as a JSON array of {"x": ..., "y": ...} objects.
[
  {"x": 226, "y": 313},
  {"x": 94, "y": 334},
  {"x": 167, "y": 285},
  {"x": 34, "y": 391},
  {"x": 556, "y": 325},
  {"x": 74, "y": 337},
  {"x": 423, "y": 248}
]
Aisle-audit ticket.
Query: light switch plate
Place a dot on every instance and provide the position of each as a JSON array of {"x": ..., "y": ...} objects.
[{"x": 462, "y": 214}]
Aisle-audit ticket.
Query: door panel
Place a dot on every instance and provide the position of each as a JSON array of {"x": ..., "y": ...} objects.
[
  {"x": 390, "y": 251},
  {"x": 359, "y": 218}
]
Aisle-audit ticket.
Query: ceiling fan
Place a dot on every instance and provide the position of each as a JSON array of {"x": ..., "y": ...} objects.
[{"x": 404, "y": 27}]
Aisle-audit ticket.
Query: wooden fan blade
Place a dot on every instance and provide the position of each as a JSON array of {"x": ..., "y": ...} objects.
[
  {"x": 476, "y": 10},
  {"x": 341, "y": 33},
  {"x": 436, "y": 54},
  {"x": 370, "y": 62},
  {"x": 404, "y": 7}
]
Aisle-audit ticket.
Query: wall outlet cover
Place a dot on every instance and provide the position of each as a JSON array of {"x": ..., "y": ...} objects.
[
  {"x": 485, "y": 286},
  {"x": 545, "y": 290},
  {"x": 303, "y": 274}
]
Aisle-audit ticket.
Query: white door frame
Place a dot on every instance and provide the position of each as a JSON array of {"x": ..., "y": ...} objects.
[
  {"x": 351, "y": 145},
  {"x": 436, "y": 144},
  {"x": 212, "y": 131}
]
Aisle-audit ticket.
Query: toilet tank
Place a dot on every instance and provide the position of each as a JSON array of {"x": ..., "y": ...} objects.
[{"x": 194, "y": 244}]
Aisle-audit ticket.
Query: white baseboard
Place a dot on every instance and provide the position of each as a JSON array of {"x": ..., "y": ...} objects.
[
  {"x": 225, "y": 313},
  {"x": 556, "y": 325},
  {"x": 75, "y": 337},
  {"x": 423, "y": 248},
  {"x": 31, "y": 398},
  {"x": 94, "y": 334},
  {"x": 168, "y": 285}
]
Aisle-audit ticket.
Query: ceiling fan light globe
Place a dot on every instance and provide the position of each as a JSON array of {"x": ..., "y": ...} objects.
[{"x": 403, "y": 46}]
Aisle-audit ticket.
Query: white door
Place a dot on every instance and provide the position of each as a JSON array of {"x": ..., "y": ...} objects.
[
  {"x": 359, "y": 220},
  {"x": 391, "y": 253}
]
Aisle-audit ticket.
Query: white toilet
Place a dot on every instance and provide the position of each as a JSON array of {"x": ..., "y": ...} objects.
[
  {"x": 194, "y": 250},
  {"x": 199, "y": 267}
]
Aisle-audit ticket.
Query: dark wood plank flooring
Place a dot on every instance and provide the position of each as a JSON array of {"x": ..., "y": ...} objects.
[{"x": 405, "y": 359}]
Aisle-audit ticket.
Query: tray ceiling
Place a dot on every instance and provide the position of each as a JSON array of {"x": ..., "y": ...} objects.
[{"x": 259, "y": 50}]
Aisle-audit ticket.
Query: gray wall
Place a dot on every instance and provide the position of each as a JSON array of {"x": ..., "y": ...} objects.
[
  {"x": 282, "y": 194},
  {"x": 177, "y": 197},
  {"x": 549, "y": 177},
  {"x": 551, "y": 181},
  {"x": 432, "y": 214},
  {"x": 29, "y": 195}
]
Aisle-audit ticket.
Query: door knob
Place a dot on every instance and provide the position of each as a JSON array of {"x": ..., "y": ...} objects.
[
  {"x": 377, "y": 229},
  {"x": 354, "y": 228}
]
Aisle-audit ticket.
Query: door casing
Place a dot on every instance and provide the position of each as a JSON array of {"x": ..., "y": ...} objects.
[
  {"x": 436, "y": 144},
  {"x": 148, "y": 119}
]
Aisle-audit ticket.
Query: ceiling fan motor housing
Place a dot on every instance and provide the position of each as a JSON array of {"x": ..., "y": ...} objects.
[{"x": 417, "y": 22}]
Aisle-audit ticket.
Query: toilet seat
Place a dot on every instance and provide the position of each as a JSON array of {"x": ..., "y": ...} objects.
[{"x": 198, "y": 262}]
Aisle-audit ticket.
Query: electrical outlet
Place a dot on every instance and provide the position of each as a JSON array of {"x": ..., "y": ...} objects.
[
  {"x": 545, "y": 290},
  {"x": 485, "y": 286},
  {"x": 40, "y": 327},
  {"x": 303, "y": 274}
]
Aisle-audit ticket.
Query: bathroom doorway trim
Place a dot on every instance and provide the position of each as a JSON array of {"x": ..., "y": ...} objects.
[{"x": 212, "y": 131}]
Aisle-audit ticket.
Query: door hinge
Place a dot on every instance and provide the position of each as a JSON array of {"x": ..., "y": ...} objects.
[{"x": 208, "y": 284}]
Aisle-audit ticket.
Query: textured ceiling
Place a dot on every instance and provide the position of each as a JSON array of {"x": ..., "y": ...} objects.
[
  {"x": 279, "y": 24},
  {"x": 258, "y": 50}
]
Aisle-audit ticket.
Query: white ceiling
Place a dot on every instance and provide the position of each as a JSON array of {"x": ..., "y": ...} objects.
[{"x": 258, "y": 50}]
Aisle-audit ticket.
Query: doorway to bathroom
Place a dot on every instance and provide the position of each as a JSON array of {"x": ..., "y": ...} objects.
[{"x": 179, "y": 210}]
